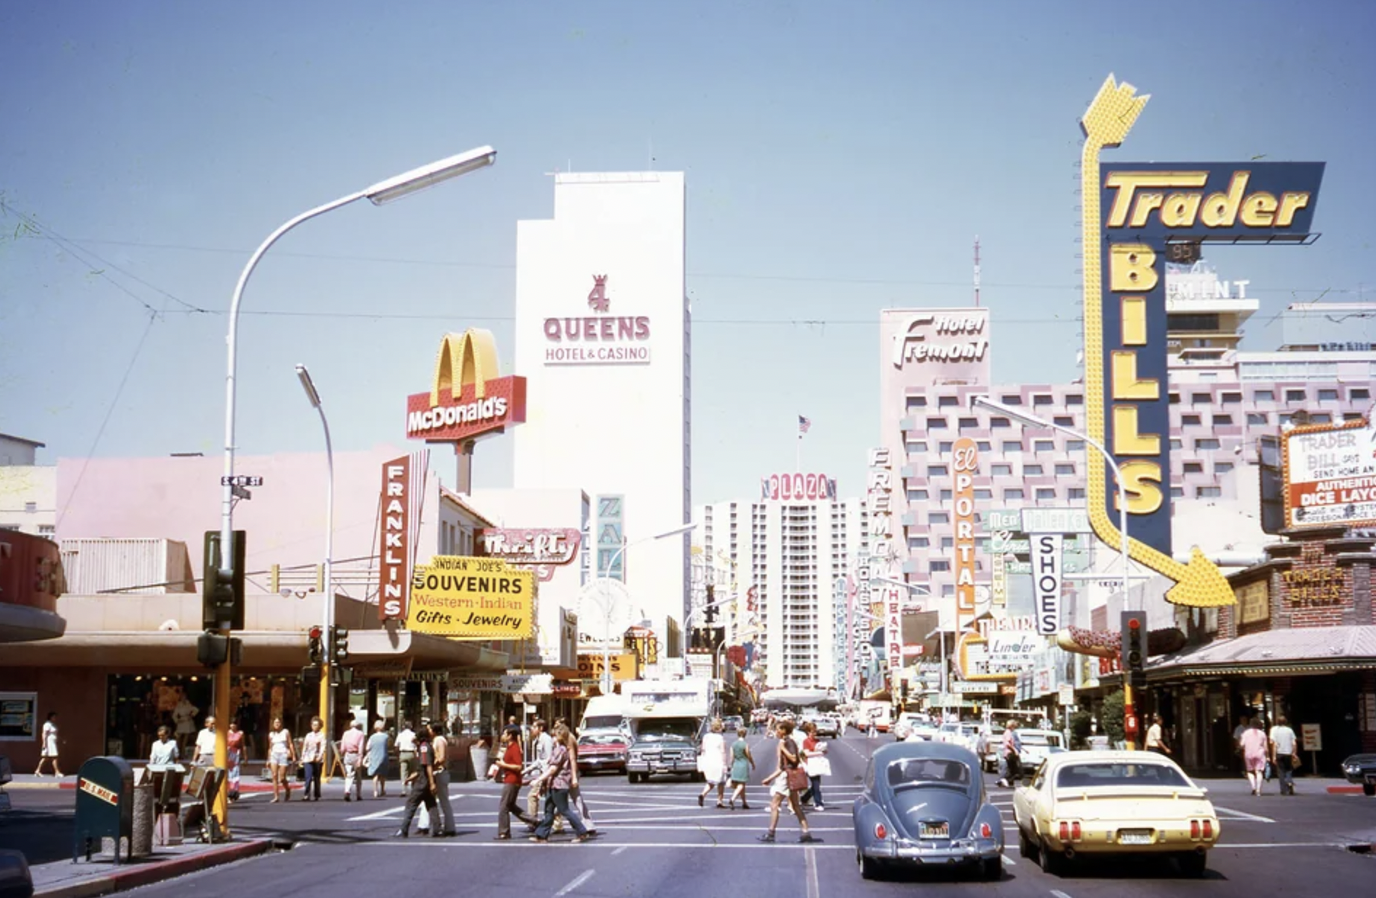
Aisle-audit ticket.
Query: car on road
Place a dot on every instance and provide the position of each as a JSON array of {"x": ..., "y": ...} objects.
[
  {"x": 827, "y": 727},
  {"x": 905, "y": 723},
  {"x": 1037, "y": 746},
  {"x": 603, "y": 750},
  {"x": 962, "y": 734},
  {"x": 1114, "y": 803},
  {"x": 1361, "y": 769},
  {"x": 924, "y": 804},
  {"x": 731, "y": 723}
]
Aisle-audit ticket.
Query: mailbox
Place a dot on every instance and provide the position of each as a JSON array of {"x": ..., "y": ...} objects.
[{"x": 104, "y": 806}]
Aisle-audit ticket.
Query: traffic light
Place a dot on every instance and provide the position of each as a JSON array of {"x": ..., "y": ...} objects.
[
  {"x": 903, "y": 691},
  {"x": 339, "y": 645},
  {"x": 222, "y": 584},
  {"x": 1134, "y": 650},
  {"x": 211, "y": 648},
  {"x": 317, "y": 647}
]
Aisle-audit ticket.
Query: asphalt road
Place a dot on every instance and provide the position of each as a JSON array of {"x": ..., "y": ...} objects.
[{"x": 655, "y": 840}]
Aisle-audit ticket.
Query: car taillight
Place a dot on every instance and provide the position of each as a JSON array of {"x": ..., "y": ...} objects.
[
  {"x": 880, "y": 832},
  {"x": 1065, "y": 831},
  {"x": 1208, "y": 829},
  {"x": 1075, "y": 831},
  {"x": 984, "y": 831},
  {"x": 1194, "y": 829}
]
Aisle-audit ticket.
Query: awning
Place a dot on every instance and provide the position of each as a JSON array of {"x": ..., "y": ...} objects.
[
  {"x": 267, "y": 650},
  {"x": 1295, "y": 651}
]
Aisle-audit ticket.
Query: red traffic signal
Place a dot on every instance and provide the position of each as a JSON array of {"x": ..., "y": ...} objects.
[
  {"x": 1134, "y": 623},
  {"x": 316, "y": 632}
]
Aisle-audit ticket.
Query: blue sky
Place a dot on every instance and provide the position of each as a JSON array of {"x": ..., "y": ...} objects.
[{"x": 840, "y": 159}]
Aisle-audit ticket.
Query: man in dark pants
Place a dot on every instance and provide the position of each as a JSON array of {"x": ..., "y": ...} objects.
[
  {"x": 509, "y": 768},
  {"x": 422, "y": 787}
]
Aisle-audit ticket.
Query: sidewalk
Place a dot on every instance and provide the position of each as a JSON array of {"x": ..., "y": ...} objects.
[
  {"x": 23, "y": 781},
  {"x": 64, "y": 879}
]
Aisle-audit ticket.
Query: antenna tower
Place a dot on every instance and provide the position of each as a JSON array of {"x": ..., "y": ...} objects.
[{"x": 977, "y": 271}]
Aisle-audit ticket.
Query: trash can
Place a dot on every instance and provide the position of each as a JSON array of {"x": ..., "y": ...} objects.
[
  {"x": 104, "y": 807},
  {"x": 479, "y": 757},
  {"x": 142, "y": 845}
]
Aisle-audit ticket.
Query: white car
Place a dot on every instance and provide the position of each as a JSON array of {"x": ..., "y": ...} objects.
[
  {"x": 962, "y": 734},
  {"x": 1037, "y": 745},
  {"x": 903, "y": 726},
  {"x": 923, "y": 732}
]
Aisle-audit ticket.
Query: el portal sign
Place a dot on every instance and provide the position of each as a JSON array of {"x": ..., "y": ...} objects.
[{"x": 1136, "y": 218}]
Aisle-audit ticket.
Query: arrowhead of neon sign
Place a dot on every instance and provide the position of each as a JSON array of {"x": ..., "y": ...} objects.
[{"x": 1200, "y": 584}]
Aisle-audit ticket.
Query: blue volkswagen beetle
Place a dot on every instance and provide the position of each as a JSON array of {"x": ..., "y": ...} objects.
[{"x": 924, "y": 804}]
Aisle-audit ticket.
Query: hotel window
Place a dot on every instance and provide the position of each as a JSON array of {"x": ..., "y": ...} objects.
[
  {"x": 1074, "y": 445},
  {"x": 936, "y": 423},
  {"x": 946, "y": 401},
  {"x": 969, "y": 423},
  {"x": 1074, "y": 399},
  {"x": 1264, "y": 396},
  {"x": 1044, "y": 446},
  {"x": 1208, "y": 492},
  {"x": 917, "y": 495},
  {"x": 948, "y": 589},
  {"x": 918, "y": 542},
  {"x": 1254, "y": 418},
  {"x": 1231, "y": 398},
  {"x": 937, "y": 471},
  {"x": 1359, "y": 393},
  {"x": 1001, "y": 470},
  {"x": 948, "y": 542},
  {"x": 1064, "y": 420},
  {"x": 1328, "y": 395},
  {"x": 917, "y": 446},
  {"x": 1194, "y": 467},
  {"x": 1012, "y": 492},
  {"x": 940, "y": 565},
  {"x": 1174, "y": 398},
  {"x": 1177, "y": 493},
  {"x": 1223, "y": 420},
  {"x": 917, "y": 402},
  {"x": 938, "y": 517},
  {"x": 1012, "y": 445},
  {"x": 1352, "y": 416},
  {"x": 46, "y": 529},
  {"x": 1294, "y": 396},
  {"x": 1031, "y": 470},
  {"x": 1187, "y": 420},
  {"x": 1062, "y": 469},
  {"x": 944, "y": 446},
  {"x": 985, "y": 446},
  {"x": 1076, "y": 492},
  {"x": 1045, "y": 492},
  {"x": 1201, "y": 398},
  {"x": 984, "y": 494},
  {"x": 30, "y": 507},
  {"x": 1222, "y": 467},
  {"x": 998, "y": 422},
  {"x": 1041, "y": 399},
  {"x": 1011, "y": 399},
  {"x": 945, "y": 495},
  {"x": 1205, "y": 444},
  {"x": 1321, "y": 418},
  {"x": 1176, "y": 444}
]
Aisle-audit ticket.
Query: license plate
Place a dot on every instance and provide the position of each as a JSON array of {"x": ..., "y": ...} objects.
[
  {"x": 935, "y": 831},
  {"x": 1135, "y": 837}
]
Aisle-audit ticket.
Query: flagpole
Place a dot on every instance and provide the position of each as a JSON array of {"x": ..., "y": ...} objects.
[{"x": 798, "y": 456}]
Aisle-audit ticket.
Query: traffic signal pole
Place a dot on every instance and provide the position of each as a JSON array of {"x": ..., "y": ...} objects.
[{"x": 222, "y": 712}]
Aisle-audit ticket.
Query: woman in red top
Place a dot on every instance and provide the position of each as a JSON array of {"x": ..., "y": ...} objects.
[{"x": 509, "y": 772}]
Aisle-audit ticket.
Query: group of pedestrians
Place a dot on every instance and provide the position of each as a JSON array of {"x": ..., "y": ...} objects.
[
  {"x": 1278, "y": 748},
  {"x": 552, "y": 774}
]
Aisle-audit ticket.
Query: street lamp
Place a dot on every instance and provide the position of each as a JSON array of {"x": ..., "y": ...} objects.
[
  {"x": 379, "y": 193},
  {"x": 1033, "y": 421},
  {"x": 607, "y": 605},
  {"x": 313, "y": 396}
]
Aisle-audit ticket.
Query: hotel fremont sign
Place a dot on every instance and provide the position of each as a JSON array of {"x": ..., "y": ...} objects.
[{"x": 1136, "y": 218}]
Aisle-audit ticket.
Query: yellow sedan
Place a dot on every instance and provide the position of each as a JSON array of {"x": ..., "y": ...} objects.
[{"x": 1114, "y": 802}]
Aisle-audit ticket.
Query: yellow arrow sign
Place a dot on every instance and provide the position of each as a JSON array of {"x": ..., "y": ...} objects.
[{"x": 1110, "y": 117}]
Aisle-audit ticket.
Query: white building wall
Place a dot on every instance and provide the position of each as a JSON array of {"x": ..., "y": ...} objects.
[
  {"x": 28, "y": 499},
  {"x": 611, "y": 426}
]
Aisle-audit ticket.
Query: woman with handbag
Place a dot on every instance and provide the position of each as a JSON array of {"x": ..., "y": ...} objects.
[
  {"x": 817, "y": 766},
  {"x": 788, "y": 779}
]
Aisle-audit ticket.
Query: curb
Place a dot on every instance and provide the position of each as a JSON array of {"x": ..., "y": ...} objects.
[
  {"x": 134, "y": 877},
  {"x": 1344, "y": 790}
]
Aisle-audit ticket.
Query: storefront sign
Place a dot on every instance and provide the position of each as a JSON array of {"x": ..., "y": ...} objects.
[
  {"x": 403, "y": 498},
  {"x": 1135, "y": 215},
  {"x": 797, "y": 487},
  {"x": 469, "y": 683},
  {"x": 17, "y": 713},
  {"x": 1046, "y": 581},
  {"x": 879, "y": 497},
  {"x": 530, "y": 548},
  {"x": 472, "y": 598},
  {"x": 599, "y": 339},
  {"x": 467, "y": 399},
  {"x": 1253, "y": 602},
  {"x": 528, "y": 684},
  {"x": 623, "y": 666},
  {"x": 1055, "y": 520},
  {"x": 941, "y": 339},
  {"x": 1314, "y": 586},
  {"x": 1330, "y": 475},
  {"x": 1311, "y": 736},
  {"x": 390, "y": 669},
  {"x": 611, "y": 537},
  {"x": 961, "y": 687},
  {"x": 893, "y": 628},
  {"x": 964, "y": 467}
]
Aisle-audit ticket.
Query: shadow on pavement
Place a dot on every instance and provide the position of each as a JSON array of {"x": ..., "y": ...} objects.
[{"x": 43, "y": 836}]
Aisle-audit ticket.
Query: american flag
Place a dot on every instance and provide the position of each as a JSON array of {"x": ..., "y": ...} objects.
[{"x": 803, "y": 424}]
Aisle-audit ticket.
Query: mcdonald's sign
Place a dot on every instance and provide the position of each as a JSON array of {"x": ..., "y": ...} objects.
[{"x": 467, "y": 399}]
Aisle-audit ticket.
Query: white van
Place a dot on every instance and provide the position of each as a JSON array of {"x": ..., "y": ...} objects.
[{"x": 605, "y": 712}]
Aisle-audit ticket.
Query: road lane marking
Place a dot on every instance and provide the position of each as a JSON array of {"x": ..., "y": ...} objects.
[
  {"x": 619, "y": 850},
  {"x": 376, "y": 815},
  {"x": 1009, "y": 861},
  {"x": 1243, "y": 815},
  {"x": 577, "y": 881},
  {"x": 1057, "y": 893},
  {"x": 810, "y": 861}
]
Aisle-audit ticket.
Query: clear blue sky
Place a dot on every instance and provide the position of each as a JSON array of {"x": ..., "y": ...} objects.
[{"x": 840, "y": 159}]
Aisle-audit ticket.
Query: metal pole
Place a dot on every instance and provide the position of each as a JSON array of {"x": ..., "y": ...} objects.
[
  {"x": 326, "y": 693},
  {"x": 223, "y": 672}
]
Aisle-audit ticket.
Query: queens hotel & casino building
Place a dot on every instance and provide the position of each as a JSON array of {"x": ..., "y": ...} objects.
[{"x": 1274, "y": 652}]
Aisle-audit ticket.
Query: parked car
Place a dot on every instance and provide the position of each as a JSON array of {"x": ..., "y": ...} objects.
[
  {"x": 1037, "y": 746},
  {"x": 603, "y": 750},
  {"x": 1114, "y": 802},
  {"x": 827, "y": 727},
  {"x": 1361, "y": 769},
  {"x": 962, "y": 734},
  {"x": 924, "y": 803}
]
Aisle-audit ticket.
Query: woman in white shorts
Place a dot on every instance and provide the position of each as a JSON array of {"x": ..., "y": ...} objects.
[
  {"x": 281, "y": 755},
  {"x": 780, "y": 790}
]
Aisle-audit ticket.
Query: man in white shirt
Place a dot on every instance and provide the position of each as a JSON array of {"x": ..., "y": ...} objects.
[
  {"x": 205, "y": 744},
  {"x": 542, "y": 746},
  {"x": 406, "y": 752},
  {"x": 1284, "y": 754}
]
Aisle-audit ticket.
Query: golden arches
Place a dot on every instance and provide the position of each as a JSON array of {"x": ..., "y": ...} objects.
[{"x": 472, "y": 355}]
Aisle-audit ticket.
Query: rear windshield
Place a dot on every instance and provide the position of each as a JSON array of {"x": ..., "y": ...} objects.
[
  {"x": 1120, "y": 774},
  {"x": 928, "y": 770},
  {"x": 602, "y": 722}
]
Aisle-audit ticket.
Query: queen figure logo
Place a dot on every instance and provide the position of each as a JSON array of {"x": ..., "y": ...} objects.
[{"x": 597, "y": 298}]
